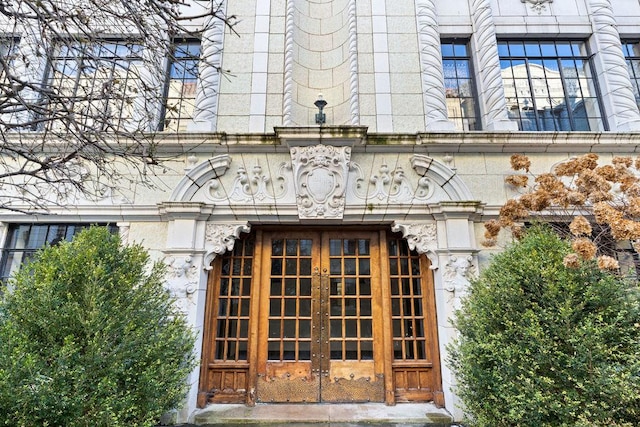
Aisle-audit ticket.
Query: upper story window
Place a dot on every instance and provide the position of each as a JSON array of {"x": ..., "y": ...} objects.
[
  {"x": 631, "y": 51},
  {"x": 23, "y": 241},
  {"x": 459, "y": 85},
  {"x": 97, "y": 85},
  {"x": 549, "y": 86},
  {"x": 8, "y": 50},
  {"x": 180, "y": 88}
]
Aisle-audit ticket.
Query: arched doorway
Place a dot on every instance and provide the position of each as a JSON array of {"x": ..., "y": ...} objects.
[{"x": 320, "y": 315}]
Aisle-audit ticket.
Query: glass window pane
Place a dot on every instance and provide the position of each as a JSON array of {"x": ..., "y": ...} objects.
[
  {"x": 305, "y": 307},
  {"x": 292, "y": 247},
  {"x": 305, "y": 287}
]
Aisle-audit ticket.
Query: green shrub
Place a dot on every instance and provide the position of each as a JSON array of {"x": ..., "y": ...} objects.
[
  {"x": 89, "y": 337},
  {"x": 544, "y": 345}
]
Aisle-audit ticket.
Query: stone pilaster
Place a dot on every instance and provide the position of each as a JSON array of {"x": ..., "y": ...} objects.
[
  {"x": 490, "y": 87},
  {"x": 611, "y": 67},
  {"x": 435, "y": 105}
]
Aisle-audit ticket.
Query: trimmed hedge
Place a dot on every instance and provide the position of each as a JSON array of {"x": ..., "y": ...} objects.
[
  {"x": 544, "y": 345},
  {"x": 90, "y": 337}
]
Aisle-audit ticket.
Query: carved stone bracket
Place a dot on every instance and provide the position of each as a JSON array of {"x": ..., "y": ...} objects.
[
  {"x": 220, "y": 238},
  {"x": 320, "y": 175},
  {"x": 537, "y": 5},
  {"x": 420, "y": 237},
  {"x": 182, "y": 279}
]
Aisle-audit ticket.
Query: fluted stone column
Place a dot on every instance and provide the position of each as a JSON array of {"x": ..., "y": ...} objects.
[
  {"x": 490, "y": 87},
  {"x": 435, "y": 104},
  {"x": 618, "y": 99}
]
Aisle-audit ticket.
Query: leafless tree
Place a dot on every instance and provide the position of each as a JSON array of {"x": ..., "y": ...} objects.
[{"x": 84, "y": 92}]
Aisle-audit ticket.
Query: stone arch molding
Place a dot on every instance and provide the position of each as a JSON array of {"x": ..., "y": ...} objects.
[{"x": 320, "y": 182}]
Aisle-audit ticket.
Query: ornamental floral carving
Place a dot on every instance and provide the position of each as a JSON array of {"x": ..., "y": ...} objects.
[
  {"x": 220, "y": 238},
  {"x": 248, "y": 187},
  {"x": 394, "y": 186},
  {"x": 420, "y": 237},
  {"x": 537, "y": 5},
  {"x": 320, "y": 176}
]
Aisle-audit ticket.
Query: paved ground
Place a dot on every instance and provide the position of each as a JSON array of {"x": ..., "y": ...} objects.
[{"x": 324, "y": 415}]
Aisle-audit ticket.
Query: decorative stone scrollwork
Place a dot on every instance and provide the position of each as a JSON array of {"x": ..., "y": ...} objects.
[
  {"x": 182, "y": 280},
  {"x": 247, "y": 188},
  {"x": 395, "y": 187},
  {"x": 420, "y": 237},
  {"x": 220, "y": 238},
  {"x": 320, "y": 176},
  {"x": 456, "y": 277},
  {"x": 537, "y": 5}
]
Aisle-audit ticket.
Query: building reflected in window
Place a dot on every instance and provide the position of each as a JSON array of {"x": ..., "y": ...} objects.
[
  {"x": 549, "y": 86},
  {"x": 459, "y": 85},
  {"x": 180, "y": 91},
  {"x": 631, "y": 50}
]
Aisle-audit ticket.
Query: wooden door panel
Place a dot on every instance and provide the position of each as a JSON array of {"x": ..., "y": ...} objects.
[{"x": 324, "y": 316}]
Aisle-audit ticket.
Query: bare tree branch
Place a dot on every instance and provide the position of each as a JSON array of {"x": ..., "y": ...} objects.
[{"x": 84, "y": 93}]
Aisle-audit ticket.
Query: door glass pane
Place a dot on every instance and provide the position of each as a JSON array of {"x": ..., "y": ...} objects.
[
  {"x": 366, "y": 350},
  {"x": 290, "y": 286},
  {"x": 365, "y": 266},
  {"x": 290, "y": 307},
  {"x": 350, "y": 286},
  {"x": 351, "y": 328},
  {"x": 335, "y": 266},
  {"x": 336, "y": 328},
  {"x": 305, "y": 266},
  {"x": 289, "y": 329},
  {"x": 277, "y": 246},
  {"x": 292, "y": 247},
  {"x": 305, "y": 308},
  {"x": 304, "y": 350},
  {"x": 291, "y": 267},
  {"x": 276, "y": 287},
  {"x": 366, "y": 330},
  {"x": 349, "y": 247},
  {"x": 305, "y": 328},
  {"x": 305, "y": 247},
  {"x": 365, "y": 307},
  {"x": 305, "y": 287},
  {"x": 349, "y": 266},
  {"x": 350, "y": 307},
  {"x": 335, "y": 247}
]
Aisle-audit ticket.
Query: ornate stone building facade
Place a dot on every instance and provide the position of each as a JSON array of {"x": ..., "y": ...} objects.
[{"x": 323, "y": 261}]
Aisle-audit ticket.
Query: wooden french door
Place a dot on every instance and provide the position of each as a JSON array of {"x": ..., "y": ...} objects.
[
  {"x": 320, "y": 315},
  {"x": 320, "y": 333}
]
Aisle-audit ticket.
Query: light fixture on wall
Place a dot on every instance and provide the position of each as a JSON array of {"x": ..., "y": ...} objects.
[{"x": 321, "y": 118}]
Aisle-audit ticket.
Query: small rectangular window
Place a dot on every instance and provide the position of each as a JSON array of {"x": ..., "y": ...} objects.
[
  {"x": 180, "y": 88},
  {"x": 631, "y": 51},
  {"x": 459, "y": 85},
  {"x": 24, "y": 240}
]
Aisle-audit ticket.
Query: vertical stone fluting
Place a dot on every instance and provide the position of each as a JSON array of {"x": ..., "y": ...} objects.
[
  {"x": 206, "y": 111},
  {"x": 491, "y": 87},
  {"x": 435, "y": 105},
  {"x": 353, "y": 63},
  {"x": 287, "y": 102},
  {"x": 624, "y": 115}
]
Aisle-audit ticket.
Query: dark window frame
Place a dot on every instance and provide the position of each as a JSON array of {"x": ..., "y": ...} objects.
[
  {"x": 458, "y": 50},
  {"x": 33, "y": 237},
  {"x": 547, "y": 54},
  {"x": 178, "y": 57}
]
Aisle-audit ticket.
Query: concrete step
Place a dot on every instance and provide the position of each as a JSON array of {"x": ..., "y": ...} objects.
[{"x": 299, "y": 415}]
